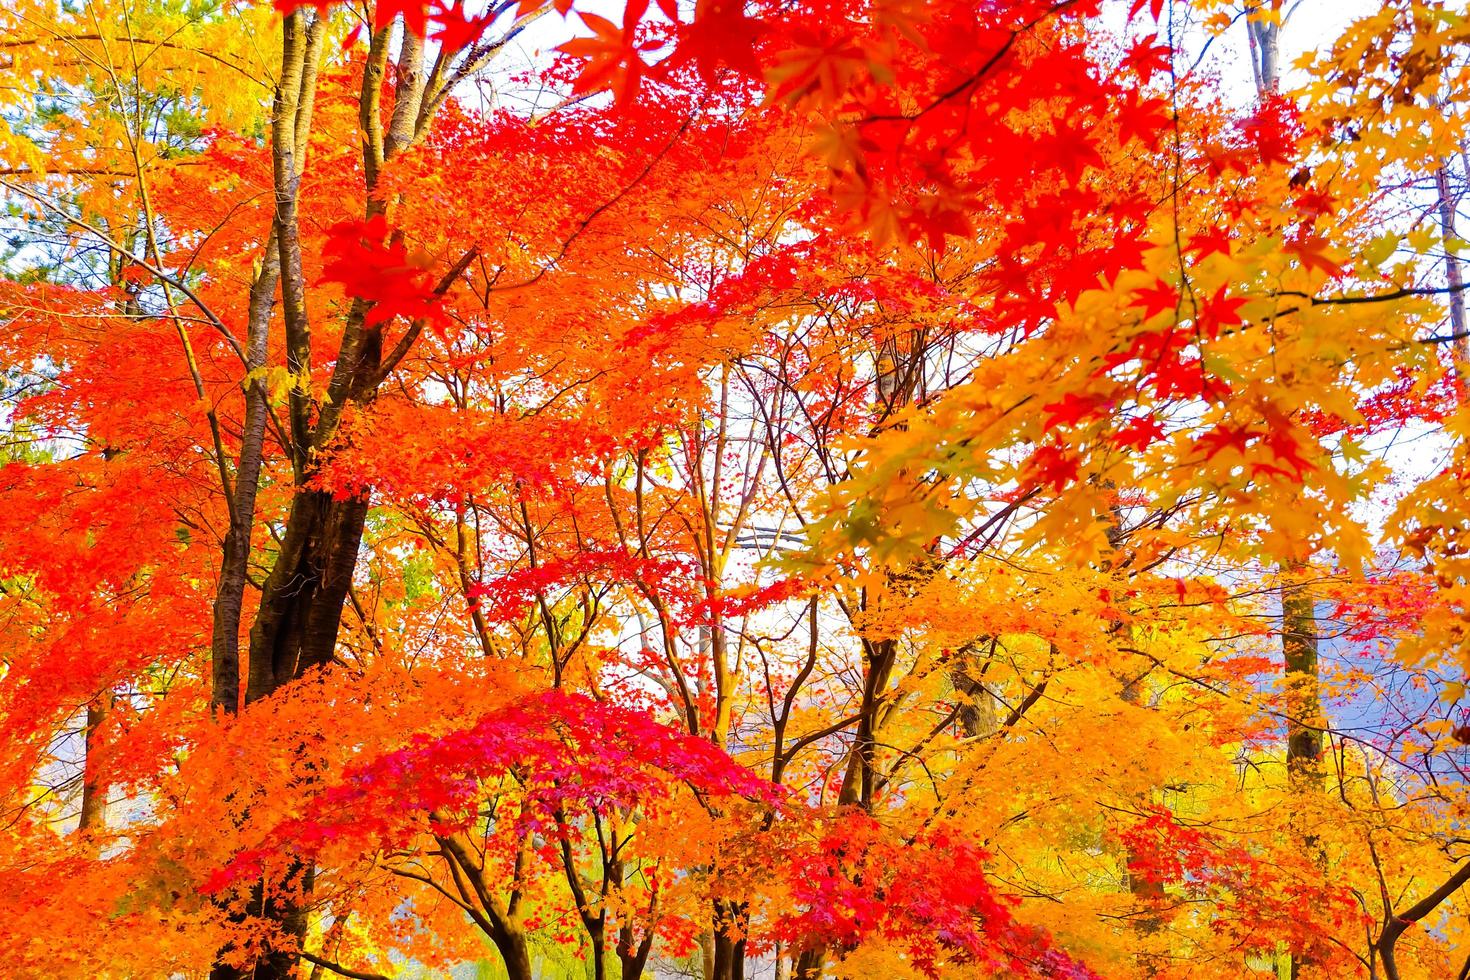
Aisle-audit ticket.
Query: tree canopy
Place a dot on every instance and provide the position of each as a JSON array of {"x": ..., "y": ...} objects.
[{"x": 847, "y": 488}]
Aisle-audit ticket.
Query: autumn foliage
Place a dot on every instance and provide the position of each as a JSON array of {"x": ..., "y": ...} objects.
[{"x": 847, "y": 488}]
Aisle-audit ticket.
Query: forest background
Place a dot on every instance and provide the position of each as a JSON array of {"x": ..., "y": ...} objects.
[{"x": 848, "y": 488}]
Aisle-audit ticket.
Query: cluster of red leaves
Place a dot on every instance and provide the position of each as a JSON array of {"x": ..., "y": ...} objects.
[
  {"x": 1279, "y": 443},
  {"x": 738, "y": 295},
  {"x": 507, "y": 596},
  {"x": 733, "y": 604},
  {"x": 916, "y": 164},
  {"x": 469, "y": 450},
  {"x": 675, "y": 580},
  {"x": 1384, "y": 607},
  {"x": 374, "y": 266},
  {"x": 1391, "y": 405},
  {"x": 1272, "y": 131},
  {"x": 929, "y": 896},
  {"x": 1249, "y": 888},
  {"x": 570, "y": 755}
]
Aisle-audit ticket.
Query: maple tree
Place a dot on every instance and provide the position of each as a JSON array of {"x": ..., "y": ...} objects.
[{"x": 869, "y": 488}]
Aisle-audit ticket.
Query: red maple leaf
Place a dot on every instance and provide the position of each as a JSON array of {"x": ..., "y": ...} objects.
[
  {"x": 1208, "y": 242},
  {"x": 1054, "y": 466},
  {"x": 370, "y": 266},
  {"x": 721, "y": 34},
  {"x": 614, "y": 56},
  {"x": 287, "y": 6},
  {"x": 1219, "y": 311},
  {"x": 414, "y": 14},
  {"x": 1226, "y": 435},
  {"x": 1145, "y": 121},
  {"x": 1311, "y": 252},
  {"x": 1156, "y": 299},
  {"x": 1148, "y": 56},
  {"x": 1272, "y": 129},
  {"x": 1073, "y": 408},
  {"x": 1139, "y": 434},
  {"x": 456, "y": 31},
  {"x": 1155, "y": 8}
]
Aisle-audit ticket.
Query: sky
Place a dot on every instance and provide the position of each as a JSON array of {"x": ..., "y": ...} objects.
[{"x": 1310, "y": 25}]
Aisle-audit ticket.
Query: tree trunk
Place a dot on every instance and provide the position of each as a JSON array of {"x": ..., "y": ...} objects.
[
  {"x": 729, "y": 940},
  {"x": 634, "y": 955},
  {"x": 1303, "y": 709},
  {"x": 977, "y": 709},
  {"x": 229, "y": 596},
  {"x": 301, "y": 604},
  {"x": 308, "y": 549},
  {"x": 1303, "y": 695},
  {"x": 707, "y": 955},
  {"x": 1298, "y": 621},
  {"x": 296, "y": 626},
  {"x": 94, "y": 789},
  {"x": 880, "y": 659},
  {"x": 809, "y": 965},
  {"x": 272, "y": 901},
  {"x": 1265, "y": 47},
  {"x": 515, "y": 953},
  {"x": 1147, "y": 893},
  {"x": 1454, "y": 278}
]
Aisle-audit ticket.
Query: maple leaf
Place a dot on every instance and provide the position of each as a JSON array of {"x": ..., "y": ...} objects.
[
  {"x": 287, "y": 6},
  {"x": 1147, "y": 121},
  {"x": 414, "y": 13},
  {"x": 1155, "y": 8},
  {"x": 1314, "y": 252},
  {"x": 1186, "y": 377},
  {"x": 370, "y": 268},
  {"x": 1220, "y": 311},
  {"x": 614, "y": 56},
  {"x": 455, "y": 30},
  {"x": 1140, "y": 433},
  {"x": 1147, "y": 56},
  {"x": 815, "y": 65},
  {"x": 1070, "y": 149},
  {"x": 1272, "y": 130},
  {"x": 721, "y": 34},
  {"x": 1156, "y": 299},
  {"x": 1314, "y": 202},
  {"x": 1227, "y": 435},
  {"x": 1073, "y": 408},
  {"x": 1054, "y": 466},
  {"x": 1210, "y": 242}
]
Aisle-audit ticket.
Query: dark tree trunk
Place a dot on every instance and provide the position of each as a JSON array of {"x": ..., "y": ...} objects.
[
  {"x": 278, "y": 905},
  {"x": 296, "y": 627},
  {"x": 1303, "y": 698},
  {"x": 94, "y": 789},
  {"x": 1148, "y": 893},
  {"x": 633, "y": 955},
  {"x": 977, "y": 715},
  {"x": 809, "y": 965},
  {"x": 730, "y": 921},
  {"x": 515, "y": 953},
  {"x": 229, "y": 596}
]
